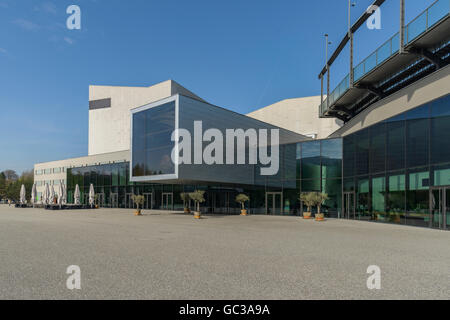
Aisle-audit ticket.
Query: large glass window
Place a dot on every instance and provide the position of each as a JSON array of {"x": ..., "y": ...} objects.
[
  {"x": 311, "y": 160},
  {"x": 362, "y": 199},
  {"x": 378, "y": 148},
  {"x": 349, "y": 156},
  {"x": 417, "y": 198},
  {"x": 378, "y": 196},
  {"x": 395, "y": 143},
  {"x": 440, "y": 130},
  {"x": 395, "y": 207},
  {"x": 331, "y": 158},
  {"x": 361, "y": 140},
  {"x": 152, "y": 145},
  {"x": 417, "y": 129}
]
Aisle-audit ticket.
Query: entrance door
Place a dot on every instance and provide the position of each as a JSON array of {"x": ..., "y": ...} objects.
[
  {"x": 129, "y": 203},
  {"x": 349, "y": 205},
  {"x": 220, "y": 202},
  {"x": 100, "y": 199},
  {"x": 148, "y": 201},
  {"x": 274, "y": 203},
  {"x": 440, "y": 208},
  {"x": 114, "y": 200},
  {"x": 167, "y": 201}
]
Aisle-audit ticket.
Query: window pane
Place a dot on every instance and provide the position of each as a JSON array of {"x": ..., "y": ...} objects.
[
  {"x": 377, "y": 148},
  {"x": 440, "y": 130},
  {"x": 395, "y": 145},
  {"x": 332, "y": 158},
  {"x": 395, "y": 206},
  {"x": 378, "y": 192},
  {"x": 311, "y": 160},
  {"x": 362, "y": 199},
  {"x": 349, "y": 156},
  {"x": 417, "y": 142},
  {"x": 362, "y": 152},
  {"x": 417, "y": 198}
]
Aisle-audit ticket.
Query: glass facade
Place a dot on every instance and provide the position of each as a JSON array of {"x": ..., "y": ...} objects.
[
  {"x": 392, "y": 168},
  {"x": 152, "y": 145},
  {"x": 397, "y": 171}
]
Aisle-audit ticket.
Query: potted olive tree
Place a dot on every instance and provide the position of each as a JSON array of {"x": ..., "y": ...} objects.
[
  {"x": 198, "y": 197},
  {"x": 185, "y": 197},
  {"x": 242, "y": 199},
  {"x": 319, "y": 199},
  {"x": 139, "y": 201},
  {"x": 308, "y": 200}
]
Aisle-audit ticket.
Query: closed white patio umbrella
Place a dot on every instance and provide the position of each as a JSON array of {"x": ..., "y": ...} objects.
[
  {"x": 60, "y": 194},
  {"x": 46, "y": 195},
  {"x": 33, "y": 194},
  {"x": 76, "y": 195},
  {"x": 52, "y": 195},
  {"x": 23, "y": 199},
  {"x": 91, "y": 195}
]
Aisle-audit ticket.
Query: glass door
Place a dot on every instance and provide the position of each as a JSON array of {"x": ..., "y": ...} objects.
[
  {"x": 100, "y": 199},
  {"x": 167, "y": 201},
  {"x": 440, "y": 208},
  {"x": 349, "y": 205},
  {"x": 274, "y": 203},
  {"x": 148, "y": 201},
  {"x": 114, "y": 200},
  {"x": 129, "y": 203}
]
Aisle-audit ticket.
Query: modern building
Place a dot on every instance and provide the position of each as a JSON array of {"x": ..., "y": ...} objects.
[{"x": 378, "y": 144}]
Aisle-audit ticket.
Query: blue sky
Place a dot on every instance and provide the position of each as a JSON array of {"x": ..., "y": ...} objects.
[{"x": 241, "y": 55}]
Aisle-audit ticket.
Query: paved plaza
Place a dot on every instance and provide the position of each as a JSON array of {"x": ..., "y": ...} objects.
[{"x": 164, "y": 255}]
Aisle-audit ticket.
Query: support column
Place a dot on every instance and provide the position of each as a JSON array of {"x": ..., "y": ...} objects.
[{"x": 402, "y": 26}]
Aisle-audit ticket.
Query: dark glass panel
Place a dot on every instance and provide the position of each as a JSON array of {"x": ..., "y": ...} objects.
[
  {"x": 395, "y": 145},
  {"x": 311, "y": 160},
  {"x": 138, "y": 143},
  {"x": 333, "y": 188},
  {"x": 331, "y": 158},
  {"x": 440, "y": 130},
  {"x": 362, "y": 199},
  {"x": 417, "y": 198},
  {"x": 361, "y": 140},
  {"x": 349, "y": 156},
  {"x": 378, "y": 197},
  {"x": 310, "y": 185},
  {"x": 441, "y": 175},
  {"x": 377, "y": 154},
  {"x": 417, "y": 142},
  {"x": 396, "y": 193}
]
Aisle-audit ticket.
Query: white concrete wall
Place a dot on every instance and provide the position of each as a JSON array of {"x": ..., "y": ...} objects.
[
  {"x": 300, "y": 115},
  {"x": 62, "y": 165},
  {"x": 109, "y": 128}
]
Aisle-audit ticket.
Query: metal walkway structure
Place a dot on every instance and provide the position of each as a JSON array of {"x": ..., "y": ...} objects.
[{"x": 400, "y": 61}]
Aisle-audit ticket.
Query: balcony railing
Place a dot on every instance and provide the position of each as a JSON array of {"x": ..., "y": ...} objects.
[{"x": 421, "y": 24}]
